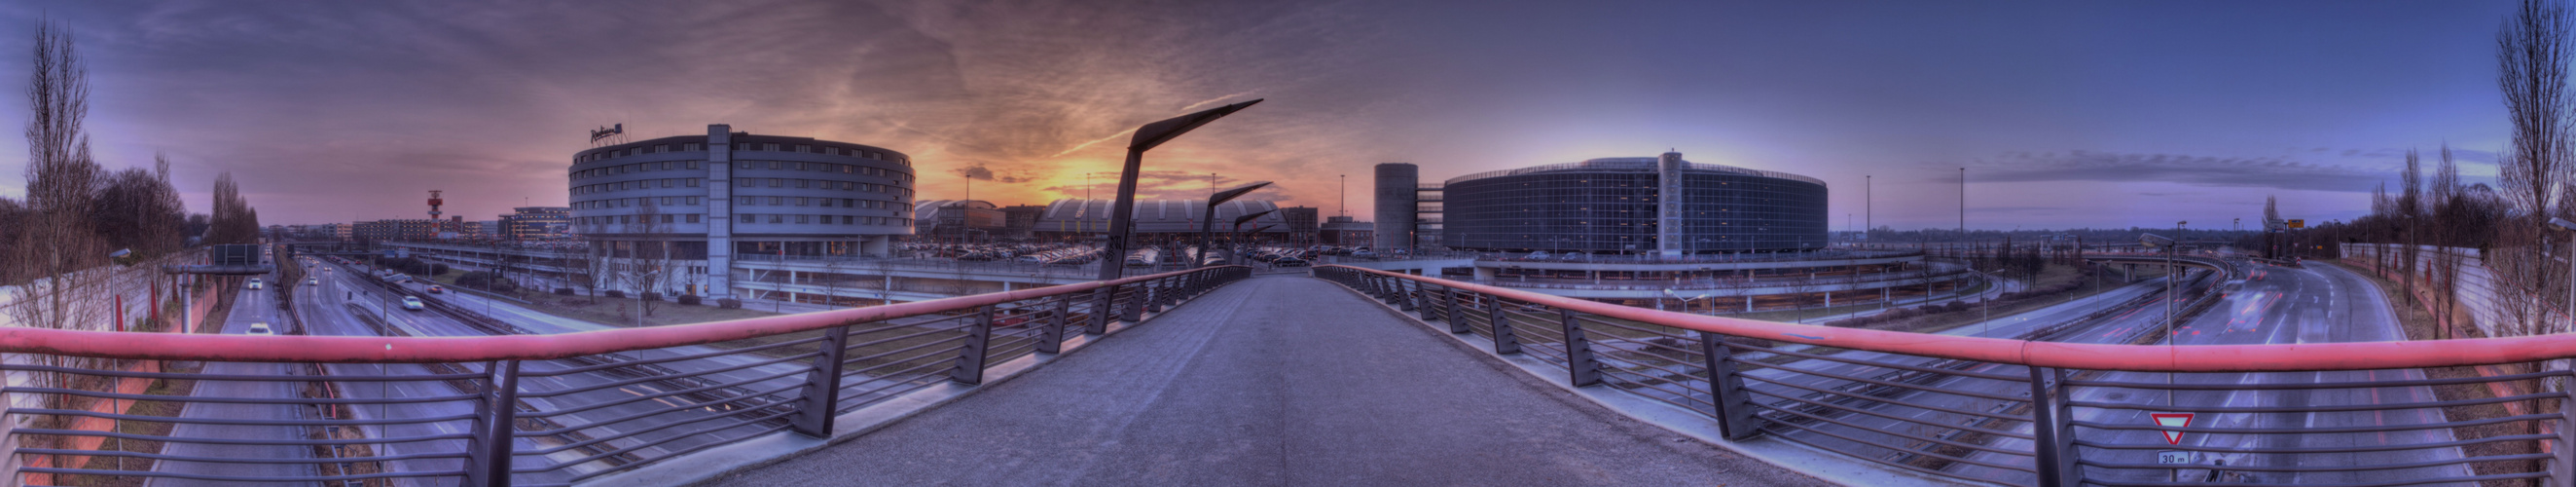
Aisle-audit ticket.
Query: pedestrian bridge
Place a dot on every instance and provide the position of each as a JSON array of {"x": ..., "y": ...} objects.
[{"x": 1353, "y": 376}]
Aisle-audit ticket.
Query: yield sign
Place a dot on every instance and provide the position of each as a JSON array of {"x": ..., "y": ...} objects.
[{"x": 2172, "y": 420}]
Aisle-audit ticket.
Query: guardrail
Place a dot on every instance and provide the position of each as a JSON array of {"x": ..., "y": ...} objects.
[
  {"x": 2039, "y": 413},
  {"x": 533, "y": 409}
]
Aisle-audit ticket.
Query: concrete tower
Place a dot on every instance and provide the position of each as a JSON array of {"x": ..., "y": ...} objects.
[
  {"x": 1668, "y": 205},
  {"x": 1398, "y": 187}
]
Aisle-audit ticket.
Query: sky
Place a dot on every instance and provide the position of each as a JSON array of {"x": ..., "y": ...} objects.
[{"x": 2064, "y": 114}]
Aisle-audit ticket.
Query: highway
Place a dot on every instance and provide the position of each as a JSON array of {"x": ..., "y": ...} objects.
[
  {"x": 251, "y": 307},
  {"x": 2317, "y": 304}
]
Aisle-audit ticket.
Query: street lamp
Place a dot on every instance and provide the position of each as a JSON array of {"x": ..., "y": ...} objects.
[
  {"x": 1207, "y": 217},
  {"x": 2169, "y": 245},
  {"x": 1686, "y": 301},
  {"x": 1148, "y": 136},
  {"x": 1234, "y": 243}
]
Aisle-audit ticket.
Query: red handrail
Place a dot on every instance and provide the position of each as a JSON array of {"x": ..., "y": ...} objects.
[
  {"x": 2146, "y": 358},
  {"x": 348, "y": 349}
]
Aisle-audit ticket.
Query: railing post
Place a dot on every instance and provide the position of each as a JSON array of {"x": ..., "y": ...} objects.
[
  {"x": 970, "y": 355},
  {"x": 2564, "y": 471},
  {"x": 1134, "y": 312},
  {"x": 1734, "y": 407},
  {"x": 1431, "y": 310},
  {"x": 2053, "y": 445},
  {"x": 489, "y": 463},
  {"x": 1154, "y": 292},
  {"x": 822, "y": 399},
  {"x": 1051, "y": 333},
  {"x": 1457, "y": 321},
  {"x": 1581, "y": 370},
  {"x": 1504, "y": 342},
  {"x": 1408, "y": 294},
  {"x": 1099, "y": 322}
]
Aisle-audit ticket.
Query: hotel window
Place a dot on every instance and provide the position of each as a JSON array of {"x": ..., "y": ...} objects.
[
  {"x": 669, "y": 218},
  {"x": 745, "y": 182},
  {"x": 777, "y": 201},
  {"x": 749, "y": 219},
  {"x": 800, "y": 201},
  {"x": 666, "y": 201},
  {"x": 849, "y": 203},
  {"x": 777, "y": 183},
  {"x": 693, "y": 201},
  {"x": 769, "y": 147},
  {"x": 693, "y": 164},
  {"x": 799, "y": 166},
  {"x": 693, "y": 218},
  {"x": 694, "y": 147},
  {"x": 803, "y": 219},
  {"x": 693, "y": 182},
  {"x": 849, "y": 220},
  {"x": 666, "y": 183},
  {"x": 873, "y": 155},
  {"x": 804, "y": 148},
  {"x": 746, "y": 165},
  {"x": 778, "y": 219},
  {"x": 846, "y": 186},
  {"x": 668, "y": 165},
  {"x": 748, "y": 201},
  {"x": 800, "y": 183},
  {"x": 777, "y": 165}
]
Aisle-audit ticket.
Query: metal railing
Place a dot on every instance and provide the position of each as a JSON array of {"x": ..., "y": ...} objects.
[
  {"x": 2046, "y": 413},
  {"x": 516, "y": 408}
]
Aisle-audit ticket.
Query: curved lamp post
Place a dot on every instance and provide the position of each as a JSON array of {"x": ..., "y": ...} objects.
[
  {"x": 1207, "y": 218},
  {"x": 1148, "y": 136}
]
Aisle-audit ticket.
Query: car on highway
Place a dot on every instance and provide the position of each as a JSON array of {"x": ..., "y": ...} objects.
[
  {"x": 437, "y": 290},
  {"x": 313, "y": 281},
  {"x": 254, "y": 283},
  {"x": 259, "y": 329},
  {"x": 413, "y": 303}
]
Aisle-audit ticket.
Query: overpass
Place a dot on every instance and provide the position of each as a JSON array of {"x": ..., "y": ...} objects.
[{"x": 1355, "y": 376}]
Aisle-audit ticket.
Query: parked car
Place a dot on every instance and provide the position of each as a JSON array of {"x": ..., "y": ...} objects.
[
  {"x": 259, "y": 329},
  {"x": 434, "y": 289},
  {"x": 413, "y": 303},
  {"x": 1289, "y": 262},
  {"x": 254, "y": 283}
]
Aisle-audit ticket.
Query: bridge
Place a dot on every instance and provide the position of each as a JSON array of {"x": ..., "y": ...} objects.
[{"x": 1214, "y": 376}]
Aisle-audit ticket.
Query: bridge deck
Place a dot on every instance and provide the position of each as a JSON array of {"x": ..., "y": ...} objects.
[{"x": 1274, "y": 381}]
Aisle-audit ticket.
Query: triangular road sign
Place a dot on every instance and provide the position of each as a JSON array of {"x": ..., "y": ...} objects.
[{"x": 2172, "y": 420}]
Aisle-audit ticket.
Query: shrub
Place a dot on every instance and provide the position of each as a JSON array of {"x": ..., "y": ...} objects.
[
  {"x": 616, "y": 293},
  {"x": 729, "y": 303},
  {"x": 689, "y": 299},
  {"x": 563, "y": 291},
  {"x": 650, "y": 296}
]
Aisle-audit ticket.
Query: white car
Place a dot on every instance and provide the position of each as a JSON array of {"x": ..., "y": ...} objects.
[
  {"x": 413, "y": 303},
  {"x": 313, "y": 282},
  {"x": 259, "y": 329},
  {"x": 254, "y": 283}
]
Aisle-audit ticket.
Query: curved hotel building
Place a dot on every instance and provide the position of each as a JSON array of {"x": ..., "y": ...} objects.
[{"x": 702, "y": 202}]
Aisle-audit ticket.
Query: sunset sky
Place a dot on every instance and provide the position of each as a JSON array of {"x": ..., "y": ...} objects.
[{"x": 2085, "y": 114}]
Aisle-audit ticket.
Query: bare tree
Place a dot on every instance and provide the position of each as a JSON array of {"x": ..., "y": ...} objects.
[
  {"x": 56, "y": 244},
  {"x": 2532, "y": 56},
  {"x": 647, "y": 266}
]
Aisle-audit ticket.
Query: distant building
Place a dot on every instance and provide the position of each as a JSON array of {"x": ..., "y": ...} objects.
[
  {"x": 1157, "y": 221},
  {"x": 1618, "y": 205},
  {"x": 1302, "y": 224},
  {"x": 1020, "y": 221},
  {"x": 400, "y": 229},
  {"x": 1346, "y": 232},
  {"x": 537, "y": 223},
  {"x": 975, "y": 220}
]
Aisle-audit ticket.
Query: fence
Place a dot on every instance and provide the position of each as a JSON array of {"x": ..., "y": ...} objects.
[
  {"x": 536, "y": 409},
  {"x": 2037, "y": 413}
]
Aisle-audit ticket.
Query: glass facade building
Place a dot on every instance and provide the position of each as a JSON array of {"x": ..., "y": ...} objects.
[{"x": 1609, "y": 206}]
